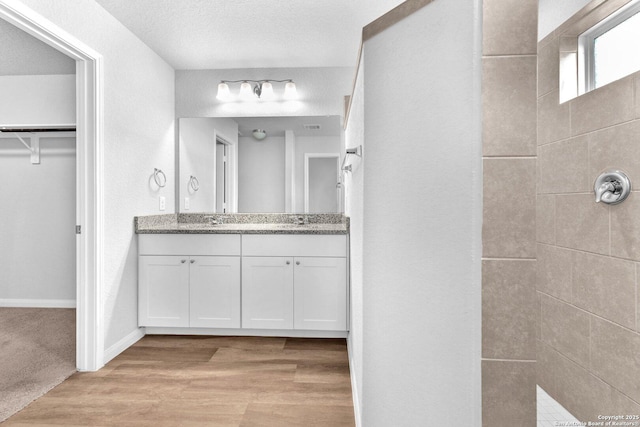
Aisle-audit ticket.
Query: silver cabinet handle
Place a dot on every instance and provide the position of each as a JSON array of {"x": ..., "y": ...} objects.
[
  {"x": 288, "y": 262},
  {"x": 183, "y": 261},
  {"x": 297, "y": 262},
  {"x": 192, "y": 261}
]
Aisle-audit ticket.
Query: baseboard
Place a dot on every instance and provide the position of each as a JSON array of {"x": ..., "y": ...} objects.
[
  {"x": 123, "y": 344},
  {"x": 354, "y": 385},
  {"x": 38, "y": 303},
  {"x": 165, "y": 330}
]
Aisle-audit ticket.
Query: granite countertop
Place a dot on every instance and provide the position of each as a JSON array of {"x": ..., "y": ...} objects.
[{"x": 242, "y": 224}]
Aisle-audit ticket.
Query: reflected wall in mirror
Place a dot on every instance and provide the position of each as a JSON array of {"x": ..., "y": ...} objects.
[{"x": 294, "y": 169}]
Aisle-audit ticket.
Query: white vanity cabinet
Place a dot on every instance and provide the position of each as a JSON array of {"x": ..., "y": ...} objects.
[
  {"x": 267, "y": 292},
  {"x": 294, "y": 282},
  {"x": 189, "y": 281},
  {"x": 249, "y": 284}
]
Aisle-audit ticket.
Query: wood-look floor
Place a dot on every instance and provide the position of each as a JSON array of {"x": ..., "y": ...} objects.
[{"x": 206, "y": 381}]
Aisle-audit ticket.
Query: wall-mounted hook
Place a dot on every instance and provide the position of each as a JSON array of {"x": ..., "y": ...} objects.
[{"x": 159, "y": 177}]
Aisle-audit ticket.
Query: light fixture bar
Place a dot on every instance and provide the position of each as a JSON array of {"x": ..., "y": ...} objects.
[{"x": 262, "y": 89}]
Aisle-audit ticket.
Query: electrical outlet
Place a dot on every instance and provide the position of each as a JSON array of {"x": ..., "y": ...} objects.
[
  {"x": 186, "y": 203},
  {"x": 163, "y": 203}
]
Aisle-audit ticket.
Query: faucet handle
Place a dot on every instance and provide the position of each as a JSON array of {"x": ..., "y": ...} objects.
[{"x": 612, "y": 187}]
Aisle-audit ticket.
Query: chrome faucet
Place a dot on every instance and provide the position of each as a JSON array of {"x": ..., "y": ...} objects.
[
  {"x": 301, "y": 220},
  {"x": 212, "y": 220},
  {"x": 607, "y": 190}
]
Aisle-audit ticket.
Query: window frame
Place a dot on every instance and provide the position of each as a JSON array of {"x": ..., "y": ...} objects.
[{"x": 586, "y": 43}]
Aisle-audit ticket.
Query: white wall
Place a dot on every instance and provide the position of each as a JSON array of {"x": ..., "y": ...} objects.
[
  {"x": 354, "y": 191},
  {"x": 320, "y": 92},
  {"x": 138, "y": 136},
  {"x": 421, "y": 220},
  {"x": 38, "y": 100},
  {"x": 23, "y": 54},
  {"x": 197, "y": 145},
  {"x": 261, "y": 174},
  {"x": 552, "y": 13},
  {"x": 310, "y": 144},
  {"x": 37, "y": 224}
]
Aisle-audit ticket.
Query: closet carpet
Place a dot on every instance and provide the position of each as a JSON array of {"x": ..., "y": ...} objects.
[
  {"x": 37, "y": 352},
  {"x": 206, "y": 381}
]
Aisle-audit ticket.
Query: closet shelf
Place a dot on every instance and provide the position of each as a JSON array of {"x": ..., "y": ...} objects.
[{"x": 34, "y": 133}]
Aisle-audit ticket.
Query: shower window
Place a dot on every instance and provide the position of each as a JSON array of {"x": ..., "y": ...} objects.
[{"x": 610, "y": 50}]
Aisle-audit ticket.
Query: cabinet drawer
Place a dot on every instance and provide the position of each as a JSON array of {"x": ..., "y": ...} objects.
[
  {"x": 294, "y": 245},
  {"x": 189, "y": 244}
]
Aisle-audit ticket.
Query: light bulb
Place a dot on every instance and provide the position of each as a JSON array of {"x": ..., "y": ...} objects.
[
  {"x": 223, "y": 92},
  {"x": 267, "y": 91},
  {"x": 246, "y": 91},
  {"x": 290, "y": 91}
]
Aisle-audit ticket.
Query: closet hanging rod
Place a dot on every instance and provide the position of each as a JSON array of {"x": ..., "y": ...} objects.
[{"x": 40, "y": 129}]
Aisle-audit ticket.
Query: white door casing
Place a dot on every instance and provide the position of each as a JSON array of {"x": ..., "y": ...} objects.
[{"x": 89, "y": 181}]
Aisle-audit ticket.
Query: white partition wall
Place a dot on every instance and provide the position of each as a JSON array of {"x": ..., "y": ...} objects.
[{"x": 420, "y": 194}]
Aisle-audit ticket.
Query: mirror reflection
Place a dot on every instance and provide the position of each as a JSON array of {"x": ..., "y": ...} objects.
[{"x": 260, "y": 164}]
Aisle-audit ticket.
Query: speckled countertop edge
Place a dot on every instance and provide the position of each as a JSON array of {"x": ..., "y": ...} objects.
[{"x": 260, "y": 223}]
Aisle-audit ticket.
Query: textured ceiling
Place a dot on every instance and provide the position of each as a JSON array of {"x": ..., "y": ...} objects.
[
  {"x": 214, "y": 34},
  {"x": 23, "y": 54}
]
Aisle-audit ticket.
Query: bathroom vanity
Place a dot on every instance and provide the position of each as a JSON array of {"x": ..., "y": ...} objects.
[{"x": 244, "y": 274}]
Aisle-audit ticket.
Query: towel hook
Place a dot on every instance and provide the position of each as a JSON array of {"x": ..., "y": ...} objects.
[
  {"x": 194, "y": 184},
  {"x": 157, "y": 173}
]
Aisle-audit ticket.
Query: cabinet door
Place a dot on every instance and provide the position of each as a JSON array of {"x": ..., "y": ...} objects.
[
  {"x": 215, "y": 292},
  {"x": 320, "y": 289},
  {"x": 163, "y": 291},
  {"x": 267, "y": 292}
]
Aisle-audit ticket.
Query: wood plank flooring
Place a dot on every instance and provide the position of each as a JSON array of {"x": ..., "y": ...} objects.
[{"x": 206, "y": 381}]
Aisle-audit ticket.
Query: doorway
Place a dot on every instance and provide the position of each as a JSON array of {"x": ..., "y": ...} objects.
[
  {"x": 322, "y": 183},
  {"x": 89, "y": 120}
]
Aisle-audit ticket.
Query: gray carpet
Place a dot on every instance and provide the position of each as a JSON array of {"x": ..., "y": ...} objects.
[{"x": 37, "y": 352}]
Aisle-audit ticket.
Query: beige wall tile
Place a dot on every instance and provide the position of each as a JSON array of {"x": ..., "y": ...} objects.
[
  {"x": 509, "y": 27},
  {"x": 547, "y": 360},
  {"x": 508, "y": 394},
  {"x": 508, "y": 309},
  {"x": 615, "y": 356},
  {"x": 637, "y": 95},
  {"x": 546, "y": 219},
  {"x": 554, "y": 119},
  {"x": 582, "y": 224},
  {"x": 625, "y": 228},
  {"x": 509, "y": 229},
  {"x": 538, "y": 316},
  {"x": 563, "y": 167},
  {"x": 548, "y": 68},
  {"x": 566, "y": 329},
  {"x": 587, "y": 396},
  {"x": 605, "y": 106},
  {"x": 605, "y": 286},
  {"x": 509, "y": 105},
  {"x": 616, "y": 147},
  {"x": 554, "y": 271},
  {"x": 638, "y": 297}
]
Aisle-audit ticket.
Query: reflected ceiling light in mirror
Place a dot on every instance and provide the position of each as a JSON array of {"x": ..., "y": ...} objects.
[
  {"x": 259, "y": 134},
  {"x": 261, "y": 90}
]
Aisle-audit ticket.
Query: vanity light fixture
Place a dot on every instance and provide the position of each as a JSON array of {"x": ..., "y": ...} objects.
[
  {"x": 259, "y": 134},
  {"x": 261, "y": 89}
]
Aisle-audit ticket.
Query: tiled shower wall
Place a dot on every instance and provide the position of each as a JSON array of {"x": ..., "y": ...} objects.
[
  {"x": 588, "y": 253},
  {"x": 509, "y": 247}
]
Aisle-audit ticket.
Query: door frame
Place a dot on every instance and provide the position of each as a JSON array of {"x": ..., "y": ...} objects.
[
  {"x": 307, "y": 157},
  {"x": 89, "y": 176}
]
